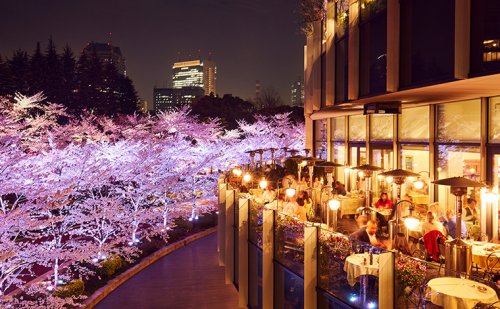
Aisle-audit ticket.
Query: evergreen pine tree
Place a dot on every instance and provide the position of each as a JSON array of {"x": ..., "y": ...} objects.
[
  {"x": 68, "y": 79},
  {"x": 37, "y": 72},
  {"x": 52, "y": 82},
  {"x": 18, "y": 70},
  {"x": 128, "y": 99},
  {"x": 4, "y": 78}
]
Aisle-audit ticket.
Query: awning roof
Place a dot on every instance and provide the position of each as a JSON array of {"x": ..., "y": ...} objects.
[{"x": 459, "y": 90}]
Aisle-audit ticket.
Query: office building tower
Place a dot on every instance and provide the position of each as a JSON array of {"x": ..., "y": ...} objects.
[
  {"x": 297, "y": 93},
  {"x": 107, "y": 53},
  {"x": 166, "y": 99},
  {"x": 195, "y": 73}
]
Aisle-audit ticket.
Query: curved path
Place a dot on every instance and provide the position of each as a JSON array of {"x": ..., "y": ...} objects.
[{"x": 189, "y": 277}]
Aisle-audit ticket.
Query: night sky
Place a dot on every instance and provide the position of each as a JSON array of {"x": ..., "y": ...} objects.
[{"x": 249, "y": 39}]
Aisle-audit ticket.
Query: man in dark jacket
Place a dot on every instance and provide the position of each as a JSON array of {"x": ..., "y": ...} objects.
[{"x": 368, "y": 234}]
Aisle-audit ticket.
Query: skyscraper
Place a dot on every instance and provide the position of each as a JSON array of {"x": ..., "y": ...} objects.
[
  {"x": 107, "y": 53},
  {"x": 297, "y": 93},
  {"x": 195, "y": 73},
  {"x": 168, "y": 98}
]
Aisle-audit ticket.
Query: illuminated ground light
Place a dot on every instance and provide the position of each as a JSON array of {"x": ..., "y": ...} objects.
[
  {"x": 371, "y": 305},
  {"x": 353, "y": 298}
]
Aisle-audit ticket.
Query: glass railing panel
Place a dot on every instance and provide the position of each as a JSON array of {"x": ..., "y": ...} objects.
[
  {"x": 345, "y": 271},
  {"x": 289, "y": 242},
  {"x": 255, "y": 227}
]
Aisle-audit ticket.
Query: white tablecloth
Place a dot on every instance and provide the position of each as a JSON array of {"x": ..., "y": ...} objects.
[
  {"x": 480, "y": 254},
  {"x": 354, "y": 267},
  {"x": 348, "y": 206},
  {"x": 452, "y": 293}
]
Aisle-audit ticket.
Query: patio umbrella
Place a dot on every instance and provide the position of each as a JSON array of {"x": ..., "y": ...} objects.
[{"x": 367, "y": 170}]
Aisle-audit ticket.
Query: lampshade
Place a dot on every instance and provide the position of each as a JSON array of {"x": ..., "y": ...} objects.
[
  {"x": 334, "y": 204},
  {"x": 412, "y": 223},
  {"x": 247, "y": 177},
  {"x": 419, "y": 184},
  {"x": 237, "y": 172},
  {"x": 290, "y": 192},
  {"x": 263, "y": 184}
]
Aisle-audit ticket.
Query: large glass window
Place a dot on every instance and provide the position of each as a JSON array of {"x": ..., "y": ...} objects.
[
  {"x": 357, "y": 128},
  {"x": 455, "y": 160},
  {"x": 459, "y": 121},
  {"x": 381, "y": 127},
  {"x": 340, "y": 156},
  {"x": 321, "y": 142},
  {"x": 373, "y": 47},
  {"x": 414, "y": 124},
  {"x": 338, "y": 129},
  {"x": 415, "y": 158},
  {"x": 427, "y": 41},
  {"x": 494, "y": 120},
  {"x": 358, "y": 157},
  {"x": 341, "y": 49},
  {"x": 485, "y": 36}
]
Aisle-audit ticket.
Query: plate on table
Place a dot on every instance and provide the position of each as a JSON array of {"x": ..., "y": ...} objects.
[{"x": 482, "y": 289}]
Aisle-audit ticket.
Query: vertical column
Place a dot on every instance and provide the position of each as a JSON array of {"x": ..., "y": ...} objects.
[
  {"x": 432, "y": 152},
  {"x": 395, "y": 147},
  {"x": 317, "y": 44},
  {"x": 462, "y": 38},
  {"x": 229, "y": 237},
  {"x": 353, "y": 51},
  {"x": 386, "y": 280},
  {"x": 244, "y": 205},
  {"x": 393, "y": 29},
  {"x": 221, "y": 224},
  {"x": 484, "y": 138},
  {"x": 268, "y": 259},
  {"x": 329, "y": 138},
  {"x": 330, "y": 53},
  {"x": 310, "y": 266},
  {"x": 368, "y": 138}
]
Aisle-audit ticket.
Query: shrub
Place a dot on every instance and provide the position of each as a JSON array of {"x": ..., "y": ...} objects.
[
  {"x": 110, "y": 266},
  {"x": 74, "y": 288}
]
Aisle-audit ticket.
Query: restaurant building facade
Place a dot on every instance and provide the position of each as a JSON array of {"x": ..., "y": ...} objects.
[{"x": 411, "y": 84}]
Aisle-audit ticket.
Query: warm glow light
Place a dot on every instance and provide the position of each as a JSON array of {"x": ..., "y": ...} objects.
[
  {"x": 419, "y": 184},
  {"x": 361, "y": 174},
  {"x": 334, "y": 204},
  {"x": 237, "y": 172},
  {"x": 303, "y": 163},
  {"x": 290, "y": 192},
  {"x": 412, "y": 223},
  {"x": 411, "y": 179},
  {"x": 263, "y": 184},
  {"x": 346, "y": 170},
  {"x": 380, "y": 177},
  {"x": 472, "y": 170},
  {"x": 439, "y": 169},
  {"x": 490, "y": 197},
  {"x": 247, "y": 177},
  {"x": 389, "y": 179}
]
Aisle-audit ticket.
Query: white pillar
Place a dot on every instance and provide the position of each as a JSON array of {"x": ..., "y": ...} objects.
[
  {"x": 310, "y": 266},
  {"x": 268, "y": 259},
  {"x": 229, "y": 236},
  {"x": 244, "y": 204},
  {"x": 221, "y": 224},
  {"x": 386, "y": 280}
]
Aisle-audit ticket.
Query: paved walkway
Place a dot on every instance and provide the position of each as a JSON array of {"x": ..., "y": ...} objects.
[{"x": 187, "y": 278}]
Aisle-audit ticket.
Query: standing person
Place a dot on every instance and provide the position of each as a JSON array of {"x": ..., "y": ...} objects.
[{"x": 471, "y": 213}]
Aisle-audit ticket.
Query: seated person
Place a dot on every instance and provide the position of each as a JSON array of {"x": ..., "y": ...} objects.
[
  {"x": 432, "y": 224},
  {"x": 368, "y": 234},
  {"x": 470, "y": 211},
  {"x": 307, "y": 204},
  {"x": 362, "y": 221},
  {"x": 300, "y": 211},
  {"x": 384, "y": 202},
  {"x": 290, "y": 208},
  {"x": 268, "y": 195},
  {"x": 451, "y": 225},
  {"x": 340, "y": 188}
]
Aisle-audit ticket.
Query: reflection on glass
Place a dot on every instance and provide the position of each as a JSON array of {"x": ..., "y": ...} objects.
[
  {"x": 459, "y": 121},
  {"x": 339, "y": 156},
  {"x": 338, "y": 129},
  {"x": 383, "y": 158},
  {"x": 321, "y": 142},
  {"x": 357, "y": 128},
  {"x": 414, "y": 124},
  {"x": 455, "y": 161},
  {"x": 381, "y": 127},
  {"x": 358, "y": 157},
  {"x": 415, "y": 158},
  {"x": 495, "y": 119}
]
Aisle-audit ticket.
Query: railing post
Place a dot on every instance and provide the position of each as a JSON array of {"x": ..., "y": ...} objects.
[
  {"x": 229, "y": 260},
  {"x": 386, "y": 280},
  {"x": 310, "y": 266},
  {"x": 244, "y": 205},
  {"x": 268, "y": 259},
  {"x": 221, "y": 222}
]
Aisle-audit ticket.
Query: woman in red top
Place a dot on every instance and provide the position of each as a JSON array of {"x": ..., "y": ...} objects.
[{"x": 384, "y": 201}]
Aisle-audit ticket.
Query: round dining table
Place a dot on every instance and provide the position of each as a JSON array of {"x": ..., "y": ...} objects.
[
  {"x": 355, "y": 267},
  {"x": 452, "y": 293},
  {"x": 480, "y": 253}
]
